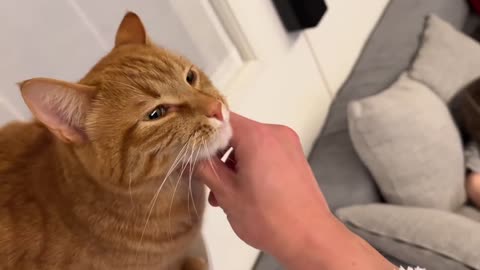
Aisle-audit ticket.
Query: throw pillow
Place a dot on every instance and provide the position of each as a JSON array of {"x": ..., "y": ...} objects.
[
  {"x": 408, "y": 140},
  {"x": 447, "y": 59}
]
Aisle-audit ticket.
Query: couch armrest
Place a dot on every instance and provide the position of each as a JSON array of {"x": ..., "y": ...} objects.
[{"x": 411, "y": 234}]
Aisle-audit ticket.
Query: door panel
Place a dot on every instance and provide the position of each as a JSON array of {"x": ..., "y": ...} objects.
[
  {"x": 8, "y": 112},
  {"x": 168, "y": 23},
  {"x": 45, "y": 39}
]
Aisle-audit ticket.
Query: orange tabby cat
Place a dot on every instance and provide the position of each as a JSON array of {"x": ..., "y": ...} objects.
[{"x": 102, "y": 179}]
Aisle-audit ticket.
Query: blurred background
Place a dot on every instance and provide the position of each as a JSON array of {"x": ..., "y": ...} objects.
[{"x": 267, "y": 73}]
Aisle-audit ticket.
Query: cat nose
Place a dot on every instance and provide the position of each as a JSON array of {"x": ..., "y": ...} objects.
[{"x": 214, "y": 110}]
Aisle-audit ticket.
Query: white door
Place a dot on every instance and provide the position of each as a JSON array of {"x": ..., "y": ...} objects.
[{"x": 266, "y": 73}]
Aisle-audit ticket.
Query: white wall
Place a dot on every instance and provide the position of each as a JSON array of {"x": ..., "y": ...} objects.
[
  {"x": 63, "y": 39},
  {"x": 338, "y": 41}
]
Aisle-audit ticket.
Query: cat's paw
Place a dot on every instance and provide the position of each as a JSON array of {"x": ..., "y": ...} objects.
[{"x": 196, "y": 263}]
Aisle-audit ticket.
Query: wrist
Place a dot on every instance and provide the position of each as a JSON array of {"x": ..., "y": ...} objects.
[
  {"x": 305, "y": 241},
  {"x": 327, "y": 244}
]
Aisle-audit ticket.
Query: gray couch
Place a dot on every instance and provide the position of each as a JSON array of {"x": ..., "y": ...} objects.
[{"x": 393, "y": 44}]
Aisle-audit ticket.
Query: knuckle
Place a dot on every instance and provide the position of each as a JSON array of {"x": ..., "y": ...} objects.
[
  {"x": 265, "y": 130},
  {"x": 280, "y": 131},
  {"x": 290, "y": 133}
]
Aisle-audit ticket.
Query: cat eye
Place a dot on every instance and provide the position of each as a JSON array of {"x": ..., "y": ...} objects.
[
  {"x": 191, "y": 77},
  {"x": 158, "y": 113}
]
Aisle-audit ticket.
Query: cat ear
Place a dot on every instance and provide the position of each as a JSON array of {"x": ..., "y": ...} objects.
[
  {"x": 61, "y": 106},
  {"x": 131, "y": 31}
]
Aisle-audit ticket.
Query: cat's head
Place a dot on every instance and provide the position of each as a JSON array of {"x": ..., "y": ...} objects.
[{"x": 137, "y": 110}]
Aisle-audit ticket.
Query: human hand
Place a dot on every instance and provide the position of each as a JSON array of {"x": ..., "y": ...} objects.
[
  {"x": 271, "y": 193},
  {"x": 273, "y": 202}
]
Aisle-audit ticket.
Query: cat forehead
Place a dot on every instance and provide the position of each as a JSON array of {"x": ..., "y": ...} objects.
[
  {"x": 140, "y": 62},
  {"x": 140, "y": 67}
]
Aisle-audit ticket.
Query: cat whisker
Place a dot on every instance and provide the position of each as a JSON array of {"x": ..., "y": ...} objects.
[
  {"x": 130, "y": 189},
  {"x": 179, "y": 157},
  {"x": 190, "y": 164},
  {"x": 190, "y": 181},
  {"x": 191, "y": 170},
  {"x": 184, "y": 166},
  {"x": 210, "y": 160},
  {"x": 188, "y": 201},
  {"x": 185, "y": 163}
]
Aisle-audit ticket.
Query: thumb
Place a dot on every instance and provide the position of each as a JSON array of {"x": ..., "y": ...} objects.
[{"x": 215, "y": 174}]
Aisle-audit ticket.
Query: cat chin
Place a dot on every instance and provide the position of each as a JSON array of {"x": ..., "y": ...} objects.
[
  {"x": 217, "y": 143},
  {"x": 220, "y": 141}
]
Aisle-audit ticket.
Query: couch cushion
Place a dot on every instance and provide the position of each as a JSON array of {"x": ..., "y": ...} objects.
[
  {"x": 341, "y": 175},
  {"x": 472, "y": 157},
  {"x": 469, "y": 212},
  {"x": 390, "y": 50},
  {"x": 447, "y": 61},
  {"x": 411, "y": 234},
  {"x": 396, "y": 134}
]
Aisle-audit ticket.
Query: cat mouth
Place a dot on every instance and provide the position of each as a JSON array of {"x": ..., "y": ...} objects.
[
  {"x": 219, "y": 141},
  {"x": 209, "y": 144}
]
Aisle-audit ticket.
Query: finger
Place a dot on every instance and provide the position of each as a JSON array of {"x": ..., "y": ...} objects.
[
  {"x": 239, "y": 119},
  {"x": 216, "y": 175},
  {"x": 241, "y": 127},
  {"x": 244, "y": 131},
  {"x": 212, "y": 199}
]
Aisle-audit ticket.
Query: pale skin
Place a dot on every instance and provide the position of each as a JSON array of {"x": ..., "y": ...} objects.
[
  {"x": 273, "y": 203},
  {"x": 473, "y": 188}
]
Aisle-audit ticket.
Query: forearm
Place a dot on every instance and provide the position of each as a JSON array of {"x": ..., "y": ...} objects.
[{"x": 329, "y": 245}]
